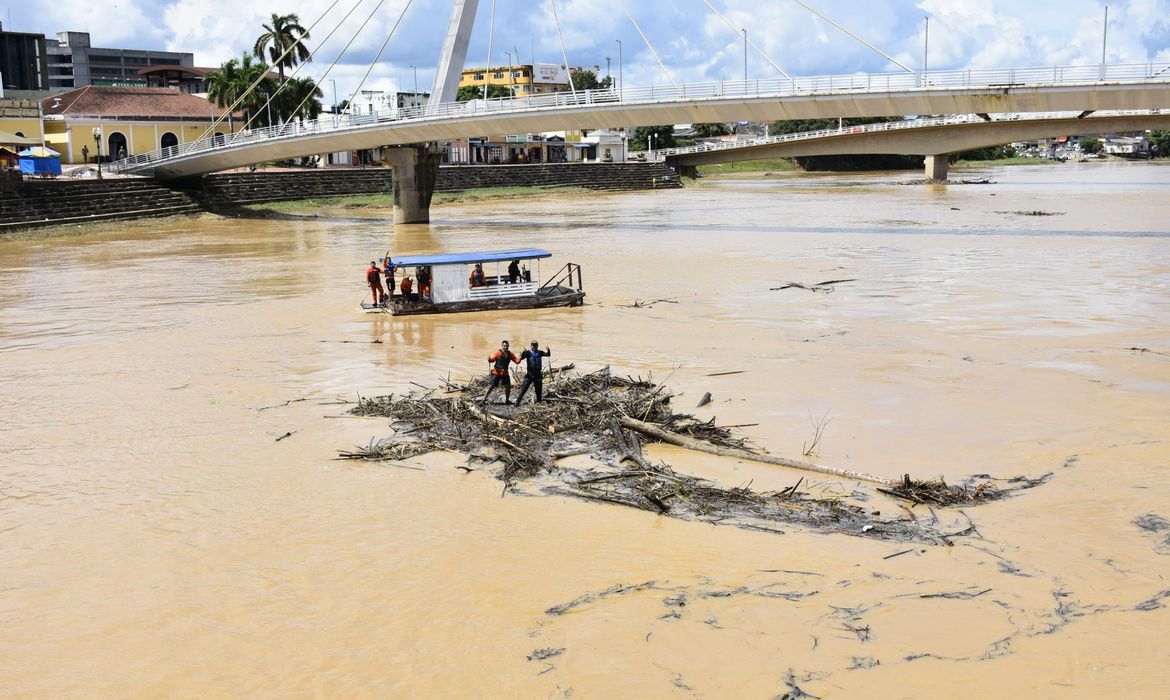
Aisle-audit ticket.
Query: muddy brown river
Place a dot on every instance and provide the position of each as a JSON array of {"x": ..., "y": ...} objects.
[{"x": 157, "y": 540}]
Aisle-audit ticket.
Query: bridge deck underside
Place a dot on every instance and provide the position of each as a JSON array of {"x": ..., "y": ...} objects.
[{"x": 598, "y": 116}]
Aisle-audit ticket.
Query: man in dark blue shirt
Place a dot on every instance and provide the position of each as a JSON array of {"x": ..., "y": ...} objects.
[{"x": 533, "y": 370}]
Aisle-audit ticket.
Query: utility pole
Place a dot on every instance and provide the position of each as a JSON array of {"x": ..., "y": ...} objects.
[
  {"x": 415, "y": 69},
  {"x": 511, "y": 89},
  {"x": 607, "y": 68},
  {"x": 334, "y": 110}
]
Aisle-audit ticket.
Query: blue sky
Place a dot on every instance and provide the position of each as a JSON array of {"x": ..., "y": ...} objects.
[{"x": 693, "y": 43}]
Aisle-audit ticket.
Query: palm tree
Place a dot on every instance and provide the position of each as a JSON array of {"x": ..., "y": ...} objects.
[
  {"x": 233, "y": 79},
  {"x": 296, "y": 91},
  {"x": 283, "y": 32}
]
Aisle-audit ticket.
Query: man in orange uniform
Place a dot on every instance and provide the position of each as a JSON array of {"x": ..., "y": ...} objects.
[
  {"x": 477, "y": 279},
  {"x": 424, "y": 283},
  {"x": 499, "y": 361},
  {"x": 407, "y": 285},
  {"x": 374, "y": 279}
]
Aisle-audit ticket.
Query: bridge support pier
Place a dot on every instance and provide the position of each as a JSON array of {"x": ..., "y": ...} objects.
[
  {"x": 936, "y": 167},
  {"x": 415, "y": 170}
]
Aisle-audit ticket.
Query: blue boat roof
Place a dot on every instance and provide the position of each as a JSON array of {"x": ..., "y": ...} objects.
[{"x": 469, "y": 258}]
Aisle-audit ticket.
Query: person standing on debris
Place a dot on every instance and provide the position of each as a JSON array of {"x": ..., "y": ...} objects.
[
  {"x": 499, "y": 361},
  {"x": 533, "y": 370},
  {"x": 374, "y": 279}
]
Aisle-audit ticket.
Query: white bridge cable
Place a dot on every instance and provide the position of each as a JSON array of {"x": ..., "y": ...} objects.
[
  {"x": 564, "y": 54},
  {"x": 379, "y": 56},
  {"x": 863, "y": 41},
  {"x": 487, "y": 71},
  {"x": 643, "y": 35},
  {"x": 322, "y": 43},
  {"x": 749, "y": 41},
  {"x": 267, "y": 68}
]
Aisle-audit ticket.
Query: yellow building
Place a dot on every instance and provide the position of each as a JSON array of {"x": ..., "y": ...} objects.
[
  {"x": 20, "y": 117},
  {"x": 531, "y": 79},
  {"x": 128, "y": 121}
]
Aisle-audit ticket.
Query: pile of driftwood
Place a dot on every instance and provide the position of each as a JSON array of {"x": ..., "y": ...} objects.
[{"x": 608, "y": 417}]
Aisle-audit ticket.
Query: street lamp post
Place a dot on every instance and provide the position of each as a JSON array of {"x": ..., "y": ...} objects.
[
  {"x": 268, "y": 104},
  {"x": 511, "y": 89},
  {"x": 97, "y": 140},
  {"x": 653, "y": 138},
  {"x": 621, "y": 82},
  {"x": 414, "y": 68},
  {"x": 745, "y": 45},
  {"x": 334, "y": 110},
  {"x": 926, "y": 45}
]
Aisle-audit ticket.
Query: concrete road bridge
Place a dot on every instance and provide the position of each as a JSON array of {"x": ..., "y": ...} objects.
[
  {"x": 932, "y": 138},
  {"x": 1081, "y": 90}
]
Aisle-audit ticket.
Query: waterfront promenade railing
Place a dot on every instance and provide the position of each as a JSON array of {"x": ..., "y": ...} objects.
[{"x": 763, "y": 88}]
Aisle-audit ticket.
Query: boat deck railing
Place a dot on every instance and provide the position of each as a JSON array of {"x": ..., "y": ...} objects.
[
  {"x": 564, "y": 276},
  {"x": 503, "y": 291}
]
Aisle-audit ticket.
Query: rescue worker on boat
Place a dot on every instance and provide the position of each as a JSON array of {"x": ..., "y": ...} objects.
[
  {"x": 406, "y": 287},
  {"x": 499, "y": 361},
  {"x": 533, "y": 371},
  {"x": 424, "y": 283},
  {"x": 477, "y": 278},
  {"x": 374, "y": 279},
  {"x": 388, "y": 268}
]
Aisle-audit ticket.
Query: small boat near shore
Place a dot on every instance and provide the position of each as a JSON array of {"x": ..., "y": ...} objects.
[{"x": 480, "y": 281}]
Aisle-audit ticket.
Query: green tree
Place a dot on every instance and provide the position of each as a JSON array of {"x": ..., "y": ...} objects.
[
  {"x": 233, "y": 79},
  {"x": 288, "y": 102},
  {"x": 663, "y": 137},
  {"x": 586, "y": 79},
  {"x": 703, "y": 131},
  {"x": 285, "y": 31},
  {"x": 1159, "y": 143},
  {"x": 475, "y": 92},
  {"x": 1091, "y": 145},
  {"x": 985, "y": 153},
  {"x": 795, "y": 126}
]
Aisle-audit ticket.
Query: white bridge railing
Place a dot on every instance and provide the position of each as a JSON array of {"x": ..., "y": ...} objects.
[
  {"x": 771, "y": 88},
  {"x": 892, "y": 126}
]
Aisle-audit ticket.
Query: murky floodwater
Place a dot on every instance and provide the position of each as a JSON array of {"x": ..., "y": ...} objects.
[{"x": 157, "y": 541}]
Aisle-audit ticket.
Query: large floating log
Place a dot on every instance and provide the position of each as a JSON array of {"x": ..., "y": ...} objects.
[{"x": 700, "y": 446}]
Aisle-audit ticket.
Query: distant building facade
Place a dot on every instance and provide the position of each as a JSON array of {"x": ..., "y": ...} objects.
[
  {"x": 525, "y": 79},
  {"x": 23, "y": 62},
  {"x": 74, "y": 63},
  {"x": 129, "y": 121}
]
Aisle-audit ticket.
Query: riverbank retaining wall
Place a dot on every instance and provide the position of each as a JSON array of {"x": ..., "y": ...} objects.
[
  {"x": 227, "y": 189},
  {"x": 33, "y": 203},
  {"x": 53, "y": 202}
]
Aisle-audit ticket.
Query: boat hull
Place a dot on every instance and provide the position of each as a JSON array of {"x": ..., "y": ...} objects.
[{"x": 416, "y": 308}]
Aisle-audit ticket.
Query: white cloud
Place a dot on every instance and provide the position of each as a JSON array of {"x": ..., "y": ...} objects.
[{"x": 693, "y": 43}]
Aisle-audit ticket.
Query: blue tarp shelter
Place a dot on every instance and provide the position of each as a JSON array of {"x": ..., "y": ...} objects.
[{"x": 40, "y": 161}]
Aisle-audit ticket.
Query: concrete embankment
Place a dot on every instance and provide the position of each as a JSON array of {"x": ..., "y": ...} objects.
[
  {"x": 35, "y": 203},
  {"x": 53, "y": 202}
]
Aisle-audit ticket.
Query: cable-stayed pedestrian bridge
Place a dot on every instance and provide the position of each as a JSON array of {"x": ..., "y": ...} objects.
[{"x": 1047, "y": 90}]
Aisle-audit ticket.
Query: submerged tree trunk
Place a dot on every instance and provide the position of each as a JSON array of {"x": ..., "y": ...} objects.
[{"x": 700, "y": 446}]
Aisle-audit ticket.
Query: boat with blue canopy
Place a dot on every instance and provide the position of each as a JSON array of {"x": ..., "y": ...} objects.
[{"x": 477, "y": 281}]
